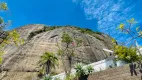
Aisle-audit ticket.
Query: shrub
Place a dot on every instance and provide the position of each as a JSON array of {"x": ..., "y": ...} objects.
[
  {"x": 79, "y": 69},
  {"x": 126, "y": 54},
  {"x": 49, "y": 28},
  {"x": 88, "y": 31},
  {"x": 89, "y": 69},
  {"x": 66, "y": 38},
  {"x": 48, "y": 77},
  {"x": 98, "y": 33},
  {"x": 83, "y": 73}
]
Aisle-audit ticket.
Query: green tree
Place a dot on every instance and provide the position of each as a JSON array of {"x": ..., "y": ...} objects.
[
  {"x": 67, "y": 39},
  {"x": 48, "y": 60},
  {"x": 67, "y": 51},
  {"x": 130, "y": 54},
  {"x": 7, "y": 37},
  {"x": 127, "y": 54},
  {"x": 3, "y": 34},
  {"x": 129, "y": 30}
]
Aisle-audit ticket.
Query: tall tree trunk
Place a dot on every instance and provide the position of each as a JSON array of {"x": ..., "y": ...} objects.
[
  {"x": 48, "y": 63},
  {"x": 70, "y": 64}
]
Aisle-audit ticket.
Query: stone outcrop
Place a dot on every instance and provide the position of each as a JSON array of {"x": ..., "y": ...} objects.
[{"x": 21, "y": 63}]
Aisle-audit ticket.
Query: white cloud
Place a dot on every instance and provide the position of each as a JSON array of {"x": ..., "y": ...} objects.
[{"x": 109, "y": 13}]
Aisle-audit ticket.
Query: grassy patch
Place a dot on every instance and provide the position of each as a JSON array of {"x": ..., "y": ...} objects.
[{"x": 88, "y": 31}]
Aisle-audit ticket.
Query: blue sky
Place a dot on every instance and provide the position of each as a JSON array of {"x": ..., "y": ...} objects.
[
  {"x": 49, "y": 12},
  {"x": 100, "y": 15}
]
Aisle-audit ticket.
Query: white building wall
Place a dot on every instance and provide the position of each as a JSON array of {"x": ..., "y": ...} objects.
[{"x": 98, "y": 66}]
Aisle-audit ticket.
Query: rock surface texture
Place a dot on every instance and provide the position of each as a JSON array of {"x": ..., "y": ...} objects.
[{"x": 21, "y": 63}]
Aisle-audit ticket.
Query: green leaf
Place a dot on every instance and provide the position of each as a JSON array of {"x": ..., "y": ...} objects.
[
  {"x": 137, "y": 28},
  {"x": 3, "y": 6},
  {"x": 140, "y": 32},
  {"x": 132, "y": 21},
  {"x": 126, "y": 54},
  {"x": 66, "y": 38},
  {"x": 48, "y": 57},
  {"x": 1, "y": 20},
  {"x": 121, "y": 26}
]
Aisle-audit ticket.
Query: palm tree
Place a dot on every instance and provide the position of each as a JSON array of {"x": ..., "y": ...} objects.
[{"x": 48, "y": 60}]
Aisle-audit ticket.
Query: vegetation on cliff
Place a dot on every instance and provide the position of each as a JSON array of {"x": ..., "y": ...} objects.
[
  {"x": 70, "y": 46},
  {"x": 7, "y": 37},
  {"x": 44, "y": 29}
]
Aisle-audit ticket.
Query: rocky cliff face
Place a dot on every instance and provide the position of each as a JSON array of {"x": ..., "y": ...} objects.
[{"x": 20, "y": 63}]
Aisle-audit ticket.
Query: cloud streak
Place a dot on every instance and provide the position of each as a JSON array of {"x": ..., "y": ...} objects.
[{"x": 110, "y": 13}]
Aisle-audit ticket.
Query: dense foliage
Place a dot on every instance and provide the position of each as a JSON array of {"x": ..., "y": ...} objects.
[
  {"x": 48, "y": 61},
  {"x": 3, "y": 6},
  {"x": 66, "y": 38},
  {"x": 83, "y": 72},
  {"x": 127, "y": 54}
]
